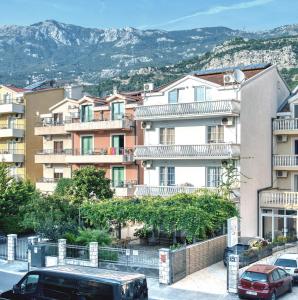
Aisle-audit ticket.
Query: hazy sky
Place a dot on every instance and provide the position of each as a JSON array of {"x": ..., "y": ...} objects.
[{"x": 161, "y": 14}]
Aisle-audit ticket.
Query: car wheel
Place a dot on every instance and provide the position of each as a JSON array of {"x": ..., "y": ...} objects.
[
  {"x": 290, "y": 290},
  {"x": 273, "y": 296}
]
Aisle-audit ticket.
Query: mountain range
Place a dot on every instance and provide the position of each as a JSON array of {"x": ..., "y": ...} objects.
[{"x": 51, "y": 49}]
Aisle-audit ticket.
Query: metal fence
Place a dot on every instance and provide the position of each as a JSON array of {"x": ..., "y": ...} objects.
[
  {"x": 3, "y": 248},
  {"x": 178, "y": 265},
  {"x": 22, "y": 249},
  {"x": 77, "y": 252},
  {"x": 51, "y": 249}
]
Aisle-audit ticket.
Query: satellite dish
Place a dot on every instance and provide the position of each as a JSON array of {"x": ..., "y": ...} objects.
[{"x": 239, "y": 76}]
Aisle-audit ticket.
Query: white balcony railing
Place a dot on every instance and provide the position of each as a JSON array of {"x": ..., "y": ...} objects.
[
  {"x": 206, "y": 151},
  {"x": 279, "y": 199},
  {"x": 285, "y": 124},
  {"x": 285, "y": 160},
  {"x": 187, "y": 110},
  {"x": 145, "y": 190}
]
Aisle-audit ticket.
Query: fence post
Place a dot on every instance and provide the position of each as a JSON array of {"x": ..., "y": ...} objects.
[
  {"x": 165, "y": 266},
  {"x": 93, "y": 254},
  {"x": 61, "y": 251},
  {"x": 11, "y": 247}
]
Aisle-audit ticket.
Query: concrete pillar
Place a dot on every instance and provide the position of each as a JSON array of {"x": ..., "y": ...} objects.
[
  {"x": 61, "y": 251},
  {"x": 93, "y": 254},
  {"x": 164, "y": 266},
  {"x": 11, "y": 247}
]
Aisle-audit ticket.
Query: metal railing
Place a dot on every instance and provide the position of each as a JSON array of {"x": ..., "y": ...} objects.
[
  {"x": 77, "y": 252},
  {"x": 144, "y": 190},
  {"x": 186, "y": 109},
  {"x": 285, "y": 160},
  {"x": 103, "y": 151},
  {"x": 11, "y": 151},
  {"x": 5, "y": 125},
  {"x": 285, "y": 124},
  {"x": 279, "y": 198},
  {"x": 187, "y": 151},
  {"x": 48, "y": 180},
  {"x": 124, "y": 184},
  {"x": 77, "y": 119},
  {"x": 54, "y": 152},
  {"x": 50, "y": 122},
  {"x": 12, "y": 101},
  {"x": 51, "y": 249}
]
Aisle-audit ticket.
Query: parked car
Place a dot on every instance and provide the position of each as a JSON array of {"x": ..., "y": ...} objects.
[
  {"x": 79, "y": 284},
  {"x": 237, "y": 249},
  {"x": 289, "y": 262},
  {"x": 264, "y": 282}
]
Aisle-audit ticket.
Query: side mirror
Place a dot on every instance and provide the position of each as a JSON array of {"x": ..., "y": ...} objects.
[{"x": 16, "y": 289}]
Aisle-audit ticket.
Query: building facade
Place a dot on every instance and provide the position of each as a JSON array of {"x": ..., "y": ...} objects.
[
  {"x": 91, "y": 131},
  {"x": 279, "y": 203},
  {"x": 196, "y": 124},
  {"x": 18, "y": 109}
]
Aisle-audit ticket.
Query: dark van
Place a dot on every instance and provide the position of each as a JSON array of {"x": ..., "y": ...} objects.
[{"x": 79, "y": 284}]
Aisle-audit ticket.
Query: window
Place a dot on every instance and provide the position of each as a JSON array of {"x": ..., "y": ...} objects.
[
  {"x": 253, "y": 276},
  {"x": 92, "y": 290},
  {"x": 117, "y": 144},
  {"x": 286, "y": 263},
  {"x": 173, "y": 96},
  {"x": 295, "y": 111},
  {"x": 86, "y": 113},
  {"x": 57, "y": 175},
  {"x": 282, "y": 273},
  {"x": 167, "y": 136},
  {"x": 117, "y": 111},
  {"x": 29, "y": 284},
  {"x": 213, "y": 176},
  {"x": 275, "y": 275},
  {"x": 216, "y": 134},
  {"x": 202, "y": 93},
  {"x": 118, "y": 176},
  {"x": 166, "y": 176},
  {"x": 58, "y": 147},
  {"x": 58, "y": 118},
  {"x": 86, "y": 145},
  {"x": 135, "y": 290}
]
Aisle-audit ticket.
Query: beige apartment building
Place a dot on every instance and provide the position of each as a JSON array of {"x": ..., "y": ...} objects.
[
  {"x": 18, "y": 116},
  {"x": 279, "y": 202}
]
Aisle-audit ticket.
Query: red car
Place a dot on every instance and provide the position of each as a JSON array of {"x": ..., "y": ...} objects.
[{"x": 264, "y": 282}]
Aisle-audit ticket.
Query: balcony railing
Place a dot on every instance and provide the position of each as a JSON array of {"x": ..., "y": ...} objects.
[
  {"x": 5, "y": 125},
  {"x": 12, "y": 155},
  {"x": 123, "y": 184},
  {"x": 145, "y": 190},
  {"x": 12, "y": 101},
  {"x": 206, "y": 151},
  {"x": 285, "y": 124},
  {"x": 285, "y": 160},
  {"x": 281, "y": 199},
  {"x": 186, "y": 110},
  {"x": 11, "y": 151},
  {"x": 54, "y": 152}
]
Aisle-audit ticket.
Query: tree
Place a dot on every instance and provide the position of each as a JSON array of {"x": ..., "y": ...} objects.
[
  {"x": 14, "y": 196},
  {"x": 63, "y": 186},
  {"x": 90, "y": 182}
]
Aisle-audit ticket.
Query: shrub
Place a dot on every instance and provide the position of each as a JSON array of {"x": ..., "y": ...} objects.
[{"x": 88, "y": 235}]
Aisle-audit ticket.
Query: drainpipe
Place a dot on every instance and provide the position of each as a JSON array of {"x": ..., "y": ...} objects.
[{"x": 269, "y": 187}]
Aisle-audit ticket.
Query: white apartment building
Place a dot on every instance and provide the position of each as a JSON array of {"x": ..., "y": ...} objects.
[
  {"x": 279, "y": 203},
  {"x": 194, "y": 124}
]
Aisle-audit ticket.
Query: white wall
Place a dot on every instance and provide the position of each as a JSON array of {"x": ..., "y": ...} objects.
[{"x": 260, "y": 98}]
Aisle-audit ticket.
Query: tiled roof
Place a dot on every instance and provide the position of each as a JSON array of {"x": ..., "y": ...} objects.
[{"x": 15, "y": 89}]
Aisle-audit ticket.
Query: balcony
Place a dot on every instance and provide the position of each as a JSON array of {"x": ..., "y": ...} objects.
[
  {"x": 206, "y": 151},
  {"x": 12, "y": 106},
  {"x": 47, "y": 185},
  {"x": 11, "y": 131},
  {"x": 12, "y": 156},
  {"x": 124, "y": 189},
  {"x": 285, "y": 126},
  {"x": 51, "y": 156},
  {"x": 285, "y": 162},
  {"x": 279, "y": 199},
  {"x": 77, "y": 125},
  {"x": 50, "y": 128},
  {"x": 188, "y": 110},
  {"x": 145, "y": 190},
  {"x": 103, "y": 155}
]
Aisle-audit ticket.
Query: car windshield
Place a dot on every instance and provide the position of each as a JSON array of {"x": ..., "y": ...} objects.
[
  {"x": 283, "y": 262},
  {"x": 254, "y": 276}
]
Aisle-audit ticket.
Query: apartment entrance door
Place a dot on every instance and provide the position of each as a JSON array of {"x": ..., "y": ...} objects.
[
  {"x": 117, "y": 111},
  {"x": 118, "y": 144},
  {"x": 118, "y": 176},
  {"x": 58, "y": 147}
]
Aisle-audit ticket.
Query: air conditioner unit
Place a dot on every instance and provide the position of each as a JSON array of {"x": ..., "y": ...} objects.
[
  {"x": 18, "y": 140},
  {"x": 229, "y": 121},
  {"x": 19, "y": 164},
  {"x": 18, "y": 116},
  {"x": 282, "y": 138},
  {"x": 148, "y": 87},
  {"x": 229, "y": 78},
  {"x": 146, "y": 125},
  {"x": 147, "y": 164},
  {"x": 281, "y": 174},
  {"x": 48, "y": 166},
  {"x": 48, "y": 137}
]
